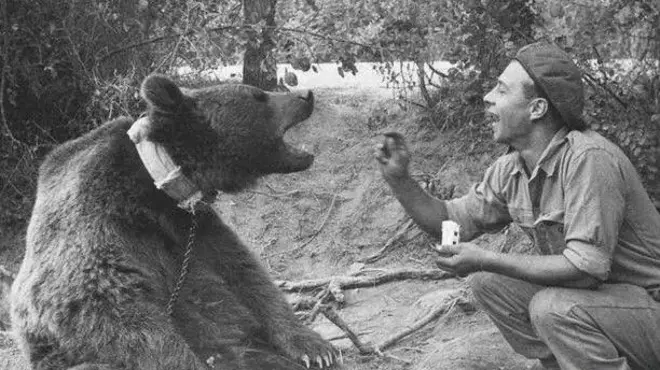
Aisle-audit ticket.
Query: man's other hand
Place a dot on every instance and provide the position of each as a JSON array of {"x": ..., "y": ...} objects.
[
  {"x": 393, "y": 156},
  {"x": 461, "y": 259}
]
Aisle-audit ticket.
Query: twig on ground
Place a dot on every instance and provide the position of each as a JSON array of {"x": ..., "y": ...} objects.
[
  {"x": 352, "y": 282},
  {"x": 434, "y": 315},
  {"x": 276, "y": 195},
  {"x": 377, "y": 349},
  {"x": 318, "y": 230},
  {"x": 320, "y": 298},
  {"x": 389, "y": 243},
  {"x": 344, "y": 336},
  {"x": 389, "y": 355},
  {"x": 302, "y": 302},
  {"x": 331, "y": 315}
]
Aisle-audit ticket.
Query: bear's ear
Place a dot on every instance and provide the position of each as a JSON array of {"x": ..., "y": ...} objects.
[{"x": 161, "y": 93}]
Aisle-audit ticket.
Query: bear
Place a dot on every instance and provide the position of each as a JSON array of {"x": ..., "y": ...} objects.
[{"x": 129, "y": 266}]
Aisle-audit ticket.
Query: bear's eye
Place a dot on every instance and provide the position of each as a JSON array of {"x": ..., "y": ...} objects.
[{"x": 260, "y": 96}]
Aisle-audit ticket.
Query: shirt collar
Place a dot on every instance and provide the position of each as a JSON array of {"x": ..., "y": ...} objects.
[{"x": 549, "y": 158}]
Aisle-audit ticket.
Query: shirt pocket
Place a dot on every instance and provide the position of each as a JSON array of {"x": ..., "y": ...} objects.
[{"x": 549, "y": 234}]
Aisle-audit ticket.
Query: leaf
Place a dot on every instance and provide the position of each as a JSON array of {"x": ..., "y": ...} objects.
[
  {"x": 290, "y": 78},
  {"x": 340, "y": 71},
  {"x": 301, "y": 64}
]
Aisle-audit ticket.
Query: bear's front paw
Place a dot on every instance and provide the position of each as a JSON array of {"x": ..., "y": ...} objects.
[{"x": 308, "y": 347}]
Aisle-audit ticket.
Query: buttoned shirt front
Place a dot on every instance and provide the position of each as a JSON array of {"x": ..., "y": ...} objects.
[{"x": 584, "y": 199}]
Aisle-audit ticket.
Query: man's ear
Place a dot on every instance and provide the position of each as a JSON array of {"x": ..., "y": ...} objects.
[{"x": 538, "y": 107}]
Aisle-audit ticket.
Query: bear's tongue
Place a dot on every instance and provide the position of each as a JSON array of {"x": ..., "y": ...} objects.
[{"x": 292, "y": 159}]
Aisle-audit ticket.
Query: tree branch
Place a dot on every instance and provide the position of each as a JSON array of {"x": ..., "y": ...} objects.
[
  {"x": 352, "y": 282},
  {"x": 377, "y": 349},
  {"x": 318, "y": 230},
  {"x": 444, "y": 75},
  {"x": 606, "y": 88},
  {"x": 390, "y": 242},
  {"x": 318, "y": 35},
  {"x": 431, "y": 316},
  {"x": 220, "y": 29},
  {"x": 333, "y": 317}
]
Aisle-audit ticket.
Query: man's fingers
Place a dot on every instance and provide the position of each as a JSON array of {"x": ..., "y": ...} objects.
[
  {"x": 445, "y": 263},
  {"x": 394, "y": 144},
  {"x": 447, "y": 249},
  {"x": 397, "y": 137},
  {"x": 380, "y": 153}
]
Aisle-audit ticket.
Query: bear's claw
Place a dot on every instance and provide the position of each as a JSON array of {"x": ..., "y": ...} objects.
[
  {"x": 328, "y": 359},
  {"x": 321, "y": 360}
]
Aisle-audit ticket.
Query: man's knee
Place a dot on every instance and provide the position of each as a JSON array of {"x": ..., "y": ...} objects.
[
  {"x": 548, "y": 307},
  {"x": 484, "y": 285}
]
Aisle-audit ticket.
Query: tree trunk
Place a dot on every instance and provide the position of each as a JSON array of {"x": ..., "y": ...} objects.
[{"x": 259, "y": 65}]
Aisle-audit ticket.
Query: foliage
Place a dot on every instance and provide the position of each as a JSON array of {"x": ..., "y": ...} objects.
[
  {"x": 69, "y": 66},
  {"x": 617, "y": 44},
  {"x": 50, "y": 75}
]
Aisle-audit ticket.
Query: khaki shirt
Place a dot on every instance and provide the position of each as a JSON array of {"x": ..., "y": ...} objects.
[{"x": 584, "y": 200}]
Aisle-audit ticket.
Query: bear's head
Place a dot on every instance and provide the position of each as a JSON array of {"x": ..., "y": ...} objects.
[{"x": 226, "y": 136}]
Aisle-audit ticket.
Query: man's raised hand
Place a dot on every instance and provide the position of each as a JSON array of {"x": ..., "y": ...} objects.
[{"x": 393, "y": 156}]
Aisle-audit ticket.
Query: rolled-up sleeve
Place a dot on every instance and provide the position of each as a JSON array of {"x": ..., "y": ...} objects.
[
  {"x": 595, "y": 206},
  {"x": 483, "y": 208}
]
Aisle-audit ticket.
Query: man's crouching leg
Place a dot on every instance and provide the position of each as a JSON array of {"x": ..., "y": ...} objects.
[
  {"x": 614, "y": 327},
  {"x": 506, "y": 301}
]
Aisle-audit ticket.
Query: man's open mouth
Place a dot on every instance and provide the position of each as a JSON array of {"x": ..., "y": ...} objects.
[{"x": 490, "y": 118}]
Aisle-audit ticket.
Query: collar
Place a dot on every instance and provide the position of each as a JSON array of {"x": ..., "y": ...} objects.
[
  {"x": 549, "y": 159},
  {"x": 167, "y": 176}
]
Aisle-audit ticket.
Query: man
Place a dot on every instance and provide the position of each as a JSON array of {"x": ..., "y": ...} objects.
[{"x": 586, "y": 301}]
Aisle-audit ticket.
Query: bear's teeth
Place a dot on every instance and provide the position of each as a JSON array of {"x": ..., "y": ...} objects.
[{"x": 303, "y": 147}]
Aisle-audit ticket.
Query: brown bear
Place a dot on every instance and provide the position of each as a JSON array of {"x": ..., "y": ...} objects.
[{"x": 128, "y": 267}]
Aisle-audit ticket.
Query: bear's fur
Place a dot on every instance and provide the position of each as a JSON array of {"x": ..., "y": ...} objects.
[{"x": 105, "y": 246}]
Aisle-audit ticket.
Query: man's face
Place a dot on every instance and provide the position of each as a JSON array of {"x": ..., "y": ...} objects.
[{"x": 508, "y": 106}]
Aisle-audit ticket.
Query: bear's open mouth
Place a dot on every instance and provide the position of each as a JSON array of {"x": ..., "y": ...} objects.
[{"x": 293, "y": 159}]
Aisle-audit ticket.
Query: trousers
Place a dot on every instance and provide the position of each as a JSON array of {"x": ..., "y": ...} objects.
[{"x": 616, "y": 326}]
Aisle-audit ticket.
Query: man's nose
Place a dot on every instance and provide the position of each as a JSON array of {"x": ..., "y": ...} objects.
[{"x": 488, "y": 99}]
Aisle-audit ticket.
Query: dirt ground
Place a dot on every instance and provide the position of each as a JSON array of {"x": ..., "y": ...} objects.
[{"x": 325, "y": 221}]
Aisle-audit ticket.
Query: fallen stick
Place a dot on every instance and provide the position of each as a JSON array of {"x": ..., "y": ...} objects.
[
  {"x": 276, "y": 195},
  {"x": 434, "y": 315},
  {"x": 302, "y": 302},
  {"x": 318, "y": 230},
  {"x": 389, "y": 243},
  {"x": 377, "y": 349},
  {"x": 352, "y": 282},
  {"x": 331, "y": 315},
  {"x": 318, "y": 306}
]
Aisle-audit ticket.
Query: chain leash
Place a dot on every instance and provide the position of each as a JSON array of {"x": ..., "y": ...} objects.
[{"x": 184, "y": 266}]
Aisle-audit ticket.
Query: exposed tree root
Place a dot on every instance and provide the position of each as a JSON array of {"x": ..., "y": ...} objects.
[
  {"x": 352, "y": 282},
  {"x": 377, "y": 349},
  {"x": 389, "y": 243}
]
